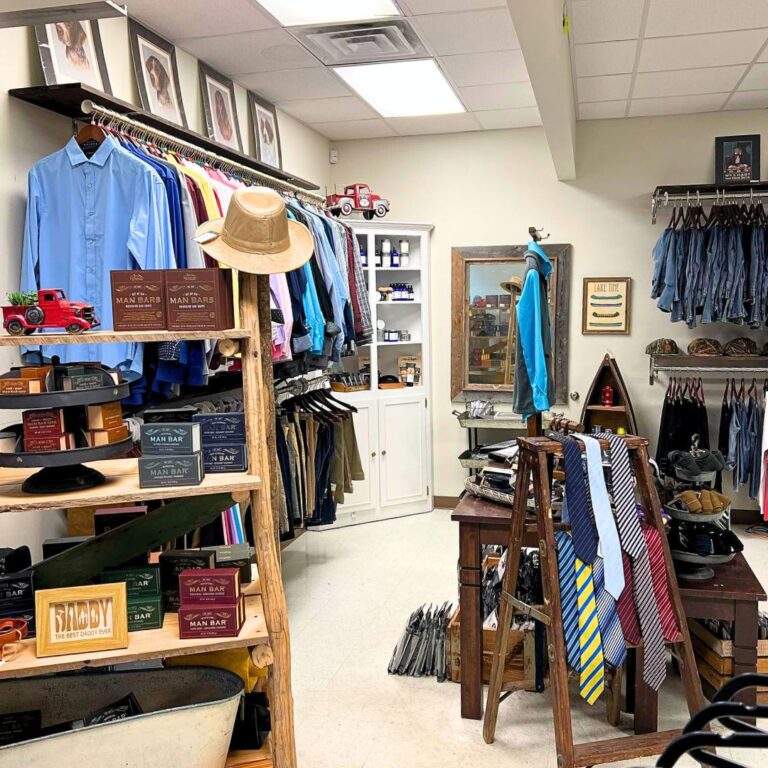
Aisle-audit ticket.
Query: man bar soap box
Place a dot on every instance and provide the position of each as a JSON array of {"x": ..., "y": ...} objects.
[
  {"x": 221, "y": 427},
  {"x": 47, "y": 422},
  {"x": 180, "y": 439},
  {"x": 105, "y": 416},
  {"x": 211, "y": 620},
  {"x": 172, "y": 563},
  {"x": 210, "y": 585},
  {"x": 138, "y": 300},
  {"x": 18, "y": 386},
  {"x": 141, "y": 583},
  {"x": 225, "y": 458},
  {"x": 65, "y": 442},
  {"x": 106, "y": 519},
  {"x": 97, "y": 437},
  {"x": 238, "y": 556},
  {"x": 196, "y": 299},
  {"x": 183, "y": 413},
  {"x": 145, "y": 614},
  {"x": 16, "y": 592},
  {"x": 170, "y": 471}
]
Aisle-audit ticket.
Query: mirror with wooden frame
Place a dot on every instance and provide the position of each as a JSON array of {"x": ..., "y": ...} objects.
[{"x": 486, "y": 283}]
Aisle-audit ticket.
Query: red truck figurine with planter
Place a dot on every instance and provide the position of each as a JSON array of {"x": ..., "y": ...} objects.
[
  {"x": 49, "y": 309},
  {"x": 357, "y": 197}
]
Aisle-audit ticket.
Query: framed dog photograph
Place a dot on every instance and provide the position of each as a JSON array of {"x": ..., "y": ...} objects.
[
  {"x": 737, "y": 159},
  {"x": 220, "y": 108},
  {"x": 266, "y": 132},
  {"x": 157, "y": 74},
  {"x": 71, "y": 52},
  {"x": 606, "y": 305},
  {"x": 81, "y": 619}
]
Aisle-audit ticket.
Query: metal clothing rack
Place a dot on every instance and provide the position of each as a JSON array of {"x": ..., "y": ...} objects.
[
  {"x": 103, "y": 116},
  {"x": 702, "y": 194},
  {"x": 701, "y": 365}
]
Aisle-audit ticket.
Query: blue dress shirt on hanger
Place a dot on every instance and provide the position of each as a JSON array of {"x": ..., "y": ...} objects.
[{"x": 86, "y": 217}]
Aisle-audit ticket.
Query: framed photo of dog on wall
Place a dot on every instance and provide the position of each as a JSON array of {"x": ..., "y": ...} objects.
[
  {"x": 265, "y": 131},
  {"x": 220, "y": 108},
  {"x": 71, "y": 52},
  {"x": 157, "y": 74}
]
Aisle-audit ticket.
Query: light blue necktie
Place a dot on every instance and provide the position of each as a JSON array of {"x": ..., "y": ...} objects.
[
  {"x": 614, "y": 648},
  {"x": 610, "y": 545}
]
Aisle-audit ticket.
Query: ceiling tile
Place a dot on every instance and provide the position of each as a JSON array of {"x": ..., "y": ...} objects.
[
  {"x": 199, "y": 18},
  {"x": 596, "y": 21},
  {"x": 328, "y": 110},
  {"x": 748, "y": 100},
  {"x": 509, "y": 118},
  {"x": 485, "y": 68},
  {"x": 693, "y": 51},
  {"x": 412, "y": 126},
  {"x": 603, "y": 87},
  {"x": 291, "y": 84},
  {"x": 605, "y": 58},
  {"x": 690, "y": 17},
  {"x": 270, "y": 50},
  {"x": 354, "y": 129},
  {"x": 452, "y": 33},
  {"x": 677, "y": 105},
  {"x": 417, "y": 7},
  {"x": 599, "y": 110},
  {"x": 682, "y": 82},
  {"x": 756, "y": 78},
  {"x": 498, "y": 96}
]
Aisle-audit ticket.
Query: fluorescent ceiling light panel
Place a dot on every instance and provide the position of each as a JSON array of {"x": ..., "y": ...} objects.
[
  {"x": 403, "y": 88},
  {"x": 291, "y": 13}
]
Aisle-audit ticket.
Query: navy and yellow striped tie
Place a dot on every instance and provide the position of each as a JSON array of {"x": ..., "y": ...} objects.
[{"x": 592, "y": 666}]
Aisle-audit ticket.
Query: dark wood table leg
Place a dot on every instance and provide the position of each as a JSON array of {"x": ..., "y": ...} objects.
[
  {"x": 646, "y": 700},
  {"x": 629, "y": 677},
  {"x": 470, "y": 580},
  {"x": 745, "y": 645}
]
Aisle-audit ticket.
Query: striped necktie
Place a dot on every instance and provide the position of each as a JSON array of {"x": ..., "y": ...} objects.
[
  {"x": 614, "y": 648},
  {"x": 633, "y": 543},
  {"x": 661, "y": 584},
  {"x": 625, "y": 606},
  {"x": 566, "y": 566},
  {"x": 591, "y": 666}
]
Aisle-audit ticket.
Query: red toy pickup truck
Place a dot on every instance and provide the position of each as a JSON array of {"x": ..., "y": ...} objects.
[
  {"x": 357, "y": 197},
  {"x": 51, "y": 310}
]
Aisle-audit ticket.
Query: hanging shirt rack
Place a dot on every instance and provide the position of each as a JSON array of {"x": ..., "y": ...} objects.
[
  {"x": 706, "y": 194},
  {"x": 104, "y": 116}
]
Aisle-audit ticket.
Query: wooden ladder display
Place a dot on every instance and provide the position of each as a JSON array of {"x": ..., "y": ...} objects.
[{"x": 534, "y": 466}]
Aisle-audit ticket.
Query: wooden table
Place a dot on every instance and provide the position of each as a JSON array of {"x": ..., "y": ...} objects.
[{"x": 733, "y": 595}]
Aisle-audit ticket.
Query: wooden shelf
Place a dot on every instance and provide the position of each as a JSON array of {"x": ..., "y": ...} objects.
[
  {"x": 122, "y": 486},
  {"x": 608, "y": 408},
  {"x": 107, "y": 337},
  {"x": 396, "y": 343},
  {"x": 251, "y": 758},
  {"x": 142, "y": 646}
]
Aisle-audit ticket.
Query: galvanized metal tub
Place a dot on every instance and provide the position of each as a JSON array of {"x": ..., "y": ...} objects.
[{"x": 189, "y": 713}]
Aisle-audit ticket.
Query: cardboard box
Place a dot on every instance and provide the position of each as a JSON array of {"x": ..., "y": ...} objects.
[
  {"x": 104, "y": 416},
  {"x": 210, "y": 585},
  {"x": 146, "y": 613},
  {"x": 170, "y": 471},
  {"x": 225, "y": 458},
  {"x": 198, "y": 299},
  {"x": 138, "y": 299},
  {"x": 211, "y": 620},
  {"x": 172, "y": 563},
  {"x": 219, "y": 428},
  {"x": 141, "y": 582},
  {"x": 178, "y": 439}
]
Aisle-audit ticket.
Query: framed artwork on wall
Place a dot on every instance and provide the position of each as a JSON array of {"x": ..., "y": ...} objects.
[
  {"x": 157, "y": 74},
  {"x": 266, "y": 132},
  {"x": 71, "y": 52},
  {"x": 737, "y": 159},
  {"x": 606, "y": 305},
  {"x": 220, "y": 108},
  {"x": 81, "y": 619}
]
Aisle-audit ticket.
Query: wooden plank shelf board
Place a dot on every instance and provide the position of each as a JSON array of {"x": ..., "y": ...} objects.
[
  {"x": 608, "y": 408},
  {"x": 122, "y": 486},
  {"x": 142, "y": 646},
  {"x": 251, "y": 758},
  {"x": 105, "y": 337}
]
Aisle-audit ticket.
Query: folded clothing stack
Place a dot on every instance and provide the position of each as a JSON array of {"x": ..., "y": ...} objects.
[
  {"x": 704, "y": 502},
  {"x": 697, "y": 462},
  {"x": 703, "y": 539}
]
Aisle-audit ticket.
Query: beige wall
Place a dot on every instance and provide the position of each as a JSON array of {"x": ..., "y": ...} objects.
[
  {"x": 28, "y": 133},
  {"x": 488, "y": 188}
]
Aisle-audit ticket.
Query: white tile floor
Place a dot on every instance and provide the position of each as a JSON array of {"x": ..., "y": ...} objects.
[{"x": 350, "y": 592}]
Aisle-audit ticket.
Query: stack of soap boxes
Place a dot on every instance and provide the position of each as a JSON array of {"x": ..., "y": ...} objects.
[
  {"x": 212, "y": 603},
  {"x": 145, "y": 599},
  {"x": 171, "y": 454},
  {"x": 223, "y": 436}
]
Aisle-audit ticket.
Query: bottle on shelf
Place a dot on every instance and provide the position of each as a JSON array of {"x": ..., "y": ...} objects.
[
  {"x": 386, "y": 253},
  {"x": 395, "y": 256},
  {"x": 364, "y": 258},
  {"x": 405, "y": 256},
  {"x": 377, "y": 260}
]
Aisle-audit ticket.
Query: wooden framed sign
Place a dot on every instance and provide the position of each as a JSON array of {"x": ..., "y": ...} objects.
[
  {"x": 606, "y": 305},
  {"x": 81, "y": 619}
]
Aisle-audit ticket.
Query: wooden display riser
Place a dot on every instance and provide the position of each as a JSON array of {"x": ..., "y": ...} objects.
[{"x": 104, "y": 337}]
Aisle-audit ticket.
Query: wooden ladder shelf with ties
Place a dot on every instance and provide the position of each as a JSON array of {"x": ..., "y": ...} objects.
[{"x": 534, "y": 466}]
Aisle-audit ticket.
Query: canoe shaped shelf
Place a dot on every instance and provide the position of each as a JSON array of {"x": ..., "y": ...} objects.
[{"x": 616, "y": 414}]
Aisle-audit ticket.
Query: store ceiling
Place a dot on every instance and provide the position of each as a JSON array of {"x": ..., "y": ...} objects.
[
  {"x": 473, "y": 41},
  {"x": 660, "y": 57}
]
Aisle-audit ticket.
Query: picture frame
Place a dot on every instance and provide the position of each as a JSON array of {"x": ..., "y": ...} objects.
[
  {"x": 220, "y": 107},
  {"x": 157, "y": 74},
  {"x": 81, "y": 619},
  {"x": 71, "y": 52},
  {"x": 737, "y": 159},
  {"x": 606, "y": 306},
  {"x": 266, "y": 131}
]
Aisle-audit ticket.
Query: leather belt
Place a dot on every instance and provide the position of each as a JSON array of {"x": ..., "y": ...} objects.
[{"x": 12, "y": 630}]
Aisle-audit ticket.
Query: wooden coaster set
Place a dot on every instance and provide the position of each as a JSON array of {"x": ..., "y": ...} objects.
[{"x": 535, "y": 461}]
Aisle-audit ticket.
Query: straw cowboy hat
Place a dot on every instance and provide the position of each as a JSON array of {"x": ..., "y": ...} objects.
[
  {"x": 513, "y": 284},
  {"x": 256, "y": 236}
]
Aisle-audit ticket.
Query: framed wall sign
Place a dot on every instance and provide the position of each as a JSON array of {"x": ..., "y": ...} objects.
[
  {"x": 220, "y": 107},
  {"x": 606, "y": 305},
  {"x": 81, "y": 619},
  {"x": 265, "y": 131},
  {"x": 737, "y": 159}
]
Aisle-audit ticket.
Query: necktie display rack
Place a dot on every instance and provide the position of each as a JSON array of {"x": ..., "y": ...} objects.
[{"x": 536, "y": 457}]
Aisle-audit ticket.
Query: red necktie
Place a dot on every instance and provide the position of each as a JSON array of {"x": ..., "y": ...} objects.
[
  {"x": 660, "y": 586},
  {"x": 625, "y": 606}
]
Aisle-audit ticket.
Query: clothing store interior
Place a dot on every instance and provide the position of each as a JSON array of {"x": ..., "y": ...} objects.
[{"x": 383, "y": 383}]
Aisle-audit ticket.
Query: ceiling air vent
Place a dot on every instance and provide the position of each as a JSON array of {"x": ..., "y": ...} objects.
[{"x": 361, "y": 43}]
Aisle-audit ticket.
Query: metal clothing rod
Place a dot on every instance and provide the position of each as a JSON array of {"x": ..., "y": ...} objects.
[
  {"x": 702, "y": 370},
  {"x": 89, "y": 107},
  {"x": 720, "y": 196}
]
